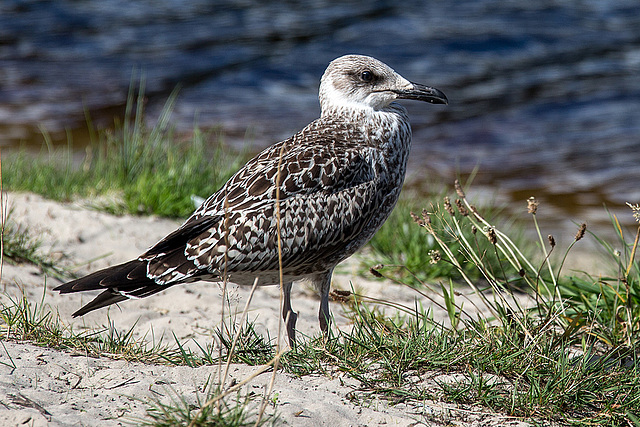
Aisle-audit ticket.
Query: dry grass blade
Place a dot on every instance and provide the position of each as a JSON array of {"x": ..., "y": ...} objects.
[
  {"x": 633, "y": 253},
  {"x": 3, "y": 219},
  {"x": 236, "y": 387},
  {"x": 269, "y": 389},
  {"x": 243, "y": 318}
]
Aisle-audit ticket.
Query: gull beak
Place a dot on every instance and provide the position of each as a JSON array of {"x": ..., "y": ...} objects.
[{"x": 422, "y": 93}]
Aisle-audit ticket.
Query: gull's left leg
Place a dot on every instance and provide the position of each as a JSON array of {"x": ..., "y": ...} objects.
[
  {"x": 289, "y": 315},
  {"x": 322, "y": 283}
]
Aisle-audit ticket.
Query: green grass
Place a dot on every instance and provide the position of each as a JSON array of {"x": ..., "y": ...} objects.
[
  {"x": 140, "y": 170},
  {"x": 19, "y": 246},
  {"x": 36, "y": 322},
  {"x": 496, "y": 367},
  {"x": 612, "y": 300},
  {"x": 131, "y": 168},
  {"x": 568, "y": 356},
  {"x": 22, "y": 320}
]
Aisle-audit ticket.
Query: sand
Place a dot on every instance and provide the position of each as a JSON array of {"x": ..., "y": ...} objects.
[{"x": 41, "y": 386}]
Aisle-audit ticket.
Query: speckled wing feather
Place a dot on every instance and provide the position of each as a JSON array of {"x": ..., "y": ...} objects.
[{"x": 327, "y": 198}]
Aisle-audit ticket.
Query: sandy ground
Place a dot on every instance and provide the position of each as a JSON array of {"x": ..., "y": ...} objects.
[{"x": 40, "y": 386}]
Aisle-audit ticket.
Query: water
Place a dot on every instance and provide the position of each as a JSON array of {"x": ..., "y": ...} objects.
[{"x": 544, "y": 96}]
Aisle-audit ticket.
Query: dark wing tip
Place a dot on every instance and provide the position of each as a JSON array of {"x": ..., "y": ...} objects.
[
  {"x": 120, "y": 275},
  {"x": 115, "y": 282},
  {"x": 105, "y": 299}
]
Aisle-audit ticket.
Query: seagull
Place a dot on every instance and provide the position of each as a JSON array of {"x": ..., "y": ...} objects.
[{"x": 295, "y": 210}]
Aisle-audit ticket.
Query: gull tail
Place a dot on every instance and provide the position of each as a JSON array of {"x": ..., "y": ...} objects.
[{"x": 120, "y": 282}]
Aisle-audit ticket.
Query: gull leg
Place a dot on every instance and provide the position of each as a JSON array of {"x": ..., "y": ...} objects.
[
  {"x": 323, "y": 285},
  {"x": 289, "y": 315}
]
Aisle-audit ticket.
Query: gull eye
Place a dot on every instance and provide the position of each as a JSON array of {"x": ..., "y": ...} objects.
[{"x": 366, "y": 76}]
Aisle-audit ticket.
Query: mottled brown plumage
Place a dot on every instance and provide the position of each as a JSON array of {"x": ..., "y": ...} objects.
[{"x": 334, "y": 184}]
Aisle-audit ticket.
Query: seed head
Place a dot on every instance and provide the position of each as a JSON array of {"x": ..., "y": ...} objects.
[
  {"x": 416, "y": 219},
  {"x": 636, "y": 211},
  {"x": 340, "y": 295},
  {"x": 447, "y": 206},
  {"x": 461, "y": 208},
  {"x": 491, "y": 233},
  {"x": 459, "y": 189},
  {"x": 435, "y": 256},
  {"x": 426, "y": 217},
  {"x": 532, "y": 205},
  {"x": 552, "y": 241},
  {"x": 374, "y": 270},
  {"x": 581, "y": 231}
]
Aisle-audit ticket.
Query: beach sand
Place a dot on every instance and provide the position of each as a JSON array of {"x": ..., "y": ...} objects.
[{"x": 41, "y": 386}]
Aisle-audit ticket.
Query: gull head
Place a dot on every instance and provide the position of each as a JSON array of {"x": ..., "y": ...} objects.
[{"x": 359, "y": 82}]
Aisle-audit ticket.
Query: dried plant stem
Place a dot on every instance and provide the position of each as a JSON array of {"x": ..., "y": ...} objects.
[
  {"x": 546, "y": 255},
  {"x": 276, "y": 359},
  {"x": 633, "y": 252},
  {"x": 509, "y": 249},
  {"x": 497, "y": 292},
  {"x": 501, "y": 246},
  {"x": 455, "y": 262},
  {"x": 281, "y": 277},
  {"x": 556, "y": 289},
  {"x": 564, "y": 258},
  {"x": 3, "y": 219},
  {"x": 237, "y": 333},
  {"x": 224, "y": 287}
]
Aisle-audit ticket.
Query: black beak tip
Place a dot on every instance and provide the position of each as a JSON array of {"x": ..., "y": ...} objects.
[
  {"x": 438, "y": 97},
  {"x": 424, "y": 93},
  {"x": 441, "y": 100}
]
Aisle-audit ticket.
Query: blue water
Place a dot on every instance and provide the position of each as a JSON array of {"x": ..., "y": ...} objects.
[{"x": 545, "y": 95}]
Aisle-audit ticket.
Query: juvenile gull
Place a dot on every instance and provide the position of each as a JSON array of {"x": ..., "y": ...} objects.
[{"x": 332, "y": 185}]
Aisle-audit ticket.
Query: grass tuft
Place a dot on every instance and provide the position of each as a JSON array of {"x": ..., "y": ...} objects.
[
  {"x": 19, "y": 246},
  {"x": 140, "y": 169},
  {"x": 180, "y": 412}
]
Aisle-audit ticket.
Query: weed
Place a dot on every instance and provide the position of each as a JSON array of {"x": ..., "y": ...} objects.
[
  {"x": 608, "y": 307},
  {"x": 408, "y": 254}
]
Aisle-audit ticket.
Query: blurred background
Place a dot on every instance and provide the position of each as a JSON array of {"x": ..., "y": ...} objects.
[{"x": 544, "y": 95}]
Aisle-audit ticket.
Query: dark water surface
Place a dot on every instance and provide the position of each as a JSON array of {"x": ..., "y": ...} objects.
[{"x": 544, "y": 95}]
